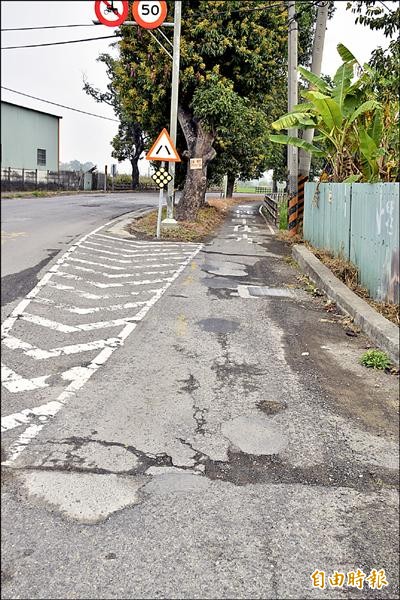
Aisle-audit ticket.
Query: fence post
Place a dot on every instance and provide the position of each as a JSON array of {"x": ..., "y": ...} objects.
[
  {"x": 47, "y": 180},
  {"x": 9, "y": 179},
  {"x": 23, "y": 179},
  {"x": 350, "y": 217}
]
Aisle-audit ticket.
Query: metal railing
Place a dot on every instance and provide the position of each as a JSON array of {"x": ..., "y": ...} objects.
[{"x": 271, "y": 206}]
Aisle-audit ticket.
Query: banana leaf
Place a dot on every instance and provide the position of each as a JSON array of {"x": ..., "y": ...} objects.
[
  {"x": 345, "y": 54},
  {"x": 342, "y": 82},
  {"x": 316, "y": 81},
  {"x": 367, "y": 106},
  {"x": 293, "y": 141}
]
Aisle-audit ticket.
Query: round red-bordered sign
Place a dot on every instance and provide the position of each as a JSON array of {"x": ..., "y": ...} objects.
[
  {"x": 111, "y": 13},
  {"x": 149, "y": 14}
]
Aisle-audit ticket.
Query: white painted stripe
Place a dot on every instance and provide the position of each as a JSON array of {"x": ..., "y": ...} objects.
[
  {"x": 127, "y": 253},
  {"x": 90, "y": 296},
  {"x": 146, "y": 264},
  {"x": 16, "y": 383},
  {"x": 118, "y": 275},
  {"x": 38, "y": 354},
  {"x": 271, "y": 229},
  {"x": 97, "y": 264},
  {"x": 159, "y": 254},
  {"x": 109, "y": 285},
  {"x": 56, "y": 326},
  {"x": 87, "y": 311},
  {"x": 144, "y": 243}
]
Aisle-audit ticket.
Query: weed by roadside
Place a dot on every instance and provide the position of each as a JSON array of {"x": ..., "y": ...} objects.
[{"x": 375, "y": 359}]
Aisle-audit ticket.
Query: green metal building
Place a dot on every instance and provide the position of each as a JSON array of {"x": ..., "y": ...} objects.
[{"x": 30, "y": 138}]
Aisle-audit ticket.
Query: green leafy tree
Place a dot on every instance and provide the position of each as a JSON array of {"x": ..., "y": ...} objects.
[
  {"x": 233, "y": 59},
  {"x": 385, "y": 17},
  {"x": 228, "y": 54}
]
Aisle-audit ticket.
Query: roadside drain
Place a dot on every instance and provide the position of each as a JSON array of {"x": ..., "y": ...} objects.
[{"x": 258, "y": 291}]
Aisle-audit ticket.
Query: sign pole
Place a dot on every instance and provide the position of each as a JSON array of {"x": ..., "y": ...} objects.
[
  {"x": 174, "y": 107},
  {"x": 160, "y": 203}
]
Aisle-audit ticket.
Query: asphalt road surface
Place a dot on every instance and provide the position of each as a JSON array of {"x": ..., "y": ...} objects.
[
  {"x": 188, "y": 421},
  {"x": 34, "y": 230}
]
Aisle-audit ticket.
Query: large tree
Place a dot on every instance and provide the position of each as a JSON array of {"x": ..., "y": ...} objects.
[{"x": 233, "y": 59}]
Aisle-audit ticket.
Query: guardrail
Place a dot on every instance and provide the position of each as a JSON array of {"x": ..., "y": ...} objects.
[{"x": 271, "y": 206}]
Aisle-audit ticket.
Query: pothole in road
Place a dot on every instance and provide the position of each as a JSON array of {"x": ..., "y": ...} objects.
[
  {"x": 218, "y": 325},
  {"x": 271, "y": 407}
]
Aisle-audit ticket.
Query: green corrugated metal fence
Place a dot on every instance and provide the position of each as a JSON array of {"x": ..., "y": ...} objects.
[{"x": 359, "y": 222}]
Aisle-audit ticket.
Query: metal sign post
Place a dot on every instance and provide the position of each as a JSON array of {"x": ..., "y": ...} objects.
[
  {"x": 160, "y": 203},
  {"x": 174, "y": 107}
]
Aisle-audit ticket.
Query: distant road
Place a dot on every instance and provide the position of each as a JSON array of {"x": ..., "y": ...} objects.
[{"x": 34, "y": 230}]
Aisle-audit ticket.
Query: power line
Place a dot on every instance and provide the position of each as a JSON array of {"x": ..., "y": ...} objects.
[
  {"x": 49, "y": 27},
  {"x": 60, "y": 105},
  {"x": 107, "y": 37}
]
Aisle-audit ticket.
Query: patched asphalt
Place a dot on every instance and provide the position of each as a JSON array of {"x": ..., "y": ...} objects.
[{"x": 231, "y": 446}]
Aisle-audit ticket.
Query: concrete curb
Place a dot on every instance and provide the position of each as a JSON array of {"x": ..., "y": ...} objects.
[
  {"x": 118, "y": 228},
  {"x": 381, "y": 331}
]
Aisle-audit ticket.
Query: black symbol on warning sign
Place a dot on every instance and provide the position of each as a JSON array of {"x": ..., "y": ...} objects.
[{"x": 161, "y": 147}]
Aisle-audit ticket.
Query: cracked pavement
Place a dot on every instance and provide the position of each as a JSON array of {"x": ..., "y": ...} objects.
[{"x": 231, "y": 446}]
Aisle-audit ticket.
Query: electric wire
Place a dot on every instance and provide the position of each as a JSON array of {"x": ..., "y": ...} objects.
[
  {"x": 60, "y": 105},
  {"x": 107, "y": 37}
]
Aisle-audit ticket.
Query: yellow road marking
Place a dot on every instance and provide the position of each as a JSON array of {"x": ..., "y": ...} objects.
[{"x": 11, "y": 235}]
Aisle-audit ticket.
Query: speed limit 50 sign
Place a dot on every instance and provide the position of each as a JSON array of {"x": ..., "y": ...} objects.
[{"x": 149, "y": 14}]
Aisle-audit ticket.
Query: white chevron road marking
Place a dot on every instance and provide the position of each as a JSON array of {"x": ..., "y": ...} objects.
[
  {"x": 87, "y": 311},
  {"x": 101, "y": 285},
  {"x": 96, "y": 264},
  {"x": 56, "y": 326},
  {"x": 16, "y": 383},
  {"x": 36, "y": 353},
  {"x": 79, "y": 375},
  {"x": 89, "y": 296},
  {"x": 125, "y": 252}
]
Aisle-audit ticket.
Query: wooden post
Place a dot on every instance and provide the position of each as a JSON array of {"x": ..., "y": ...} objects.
[
  {"x": 23, "y": 179},
  {"x": 9, "y": 179},
  {"x": 36, "y": 179}
]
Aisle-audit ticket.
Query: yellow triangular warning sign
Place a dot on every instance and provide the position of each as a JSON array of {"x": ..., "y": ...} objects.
[{"x": 163, "y": 149}]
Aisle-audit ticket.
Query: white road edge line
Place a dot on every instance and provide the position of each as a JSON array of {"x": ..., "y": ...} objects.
[{"x": 271, "y": 229}]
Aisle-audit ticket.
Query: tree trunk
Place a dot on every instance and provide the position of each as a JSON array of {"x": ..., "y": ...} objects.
[
  {"x": 135, "y": 173},
  {"x": 199, "y": 143},
  {"x": 230, "y": 186}
]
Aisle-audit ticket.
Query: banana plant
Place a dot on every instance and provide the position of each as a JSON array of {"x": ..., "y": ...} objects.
[{"x": 348, "y": 122}]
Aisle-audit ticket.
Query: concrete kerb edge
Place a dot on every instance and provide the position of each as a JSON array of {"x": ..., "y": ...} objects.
[
  {"x": 380, "y": 330},
  {"x": 119, "y": 227}
]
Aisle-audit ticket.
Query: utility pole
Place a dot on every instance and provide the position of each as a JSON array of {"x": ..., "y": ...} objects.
[
  {"x": 292, "y": 151},
  {"x": 317, "y": 52},
  {"x": 174, "y": 107}
]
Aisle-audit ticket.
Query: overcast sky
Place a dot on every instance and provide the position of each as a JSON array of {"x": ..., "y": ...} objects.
[{"x": 56, "y": 72}]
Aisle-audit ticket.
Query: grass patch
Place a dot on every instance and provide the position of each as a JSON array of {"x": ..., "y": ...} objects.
[
  {"x": 283, "y": 215},
  {"x": 209, "y": 218},
  {"x": 375, "y": 359}
]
